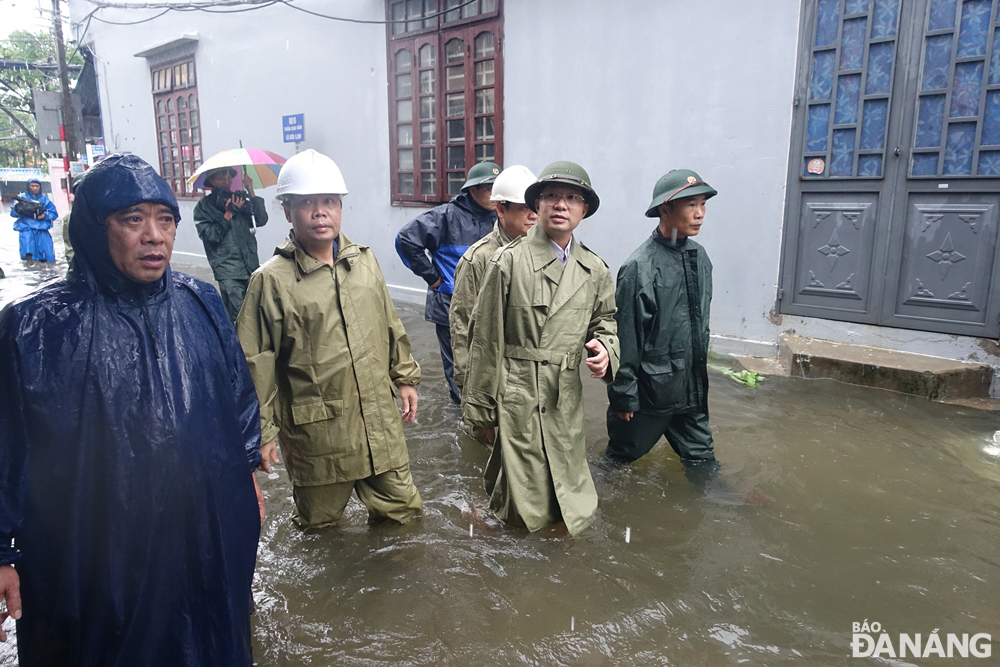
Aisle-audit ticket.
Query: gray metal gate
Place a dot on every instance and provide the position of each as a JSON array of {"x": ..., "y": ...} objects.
[{"x": 894, "y": 189}]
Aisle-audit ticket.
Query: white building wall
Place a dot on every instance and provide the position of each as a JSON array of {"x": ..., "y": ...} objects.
[{"x": 631, "y": 89}]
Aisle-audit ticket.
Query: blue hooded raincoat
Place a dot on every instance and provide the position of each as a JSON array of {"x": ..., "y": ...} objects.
[
  {"x": 35, "y": 238},
  {"x": 129, "y": 428}
]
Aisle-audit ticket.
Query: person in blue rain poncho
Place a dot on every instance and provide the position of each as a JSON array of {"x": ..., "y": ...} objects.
[
  {"x": 129, "y": 436},
  {"x": 36, "y": 242}
]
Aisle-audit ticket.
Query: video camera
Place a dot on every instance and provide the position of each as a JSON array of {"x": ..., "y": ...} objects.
[
  {"x": 225, "y": 195},
  {"x": 28, "y": 208}
]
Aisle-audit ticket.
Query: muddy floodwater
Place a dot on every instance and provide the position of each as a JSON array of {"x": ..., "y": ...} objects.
[{"x": 835, "y": 505}]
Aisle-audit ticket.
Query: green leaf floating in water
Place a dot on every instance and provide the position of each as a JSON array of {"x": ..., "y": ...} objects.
[{"x": 748, "y": 378}]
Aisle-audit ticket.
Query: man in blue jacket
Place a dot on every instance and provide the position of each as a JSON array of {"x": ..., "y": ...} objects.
[
  {"x": 129, "y": 433},
  {"x": 34, "y": 225},
  {"x": 445, "y": 233}
]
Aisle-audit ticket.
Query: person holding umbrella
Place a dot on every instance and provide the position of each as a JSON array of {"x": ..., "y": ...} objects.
[{"x": 225, "y": 221}]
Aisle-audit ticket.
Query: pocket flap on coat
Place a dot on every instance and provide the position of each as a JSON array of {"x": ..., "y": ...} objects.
[
  {"x": 318, "y": 411},
  {"x": 659, "y": 366}
]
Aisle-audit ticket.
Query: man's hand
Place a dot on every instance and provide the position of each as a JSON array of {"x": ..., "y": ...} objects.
[
  {"x": 10, "y": 591},
  {"x": 437, "y": 283},
  {"x": 40, "y": 216},
  {"x": 260, "y": 496},
  {"x": 598, "y": 363},
  {"x": 248, "y": 185},
  {"x": 408, "y": 394},
  {"x": 268, "y": 455},
  {"x": 625, "y": 416}
]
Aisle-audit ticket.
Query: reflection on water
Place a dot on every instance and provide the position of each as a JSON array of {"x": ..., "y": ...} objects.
[{"x": 839, "y": 504}]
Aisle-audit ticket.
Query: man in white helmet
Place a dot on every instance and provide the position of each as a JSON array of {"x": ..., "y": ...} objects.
[
  {"x": 514, "y": 219},
  {"x": 327, "y": 353}
]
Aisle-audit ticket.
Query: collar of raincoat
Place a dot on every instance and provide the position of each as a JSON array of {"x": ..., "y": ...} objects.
[
  {"x": 667, "y": 242},
  {"x": 347, "y": 251},
  {"x": 542, "y": 251},
  {"x": 116, "y": 182}
]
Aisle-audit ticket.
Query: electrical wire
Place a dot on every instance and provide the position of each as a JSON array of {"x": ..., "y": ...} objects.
[
  {"x": 389, "y": 22},
  {"x": 211, "y": 8},
  {"x": 131, "y": 22}
]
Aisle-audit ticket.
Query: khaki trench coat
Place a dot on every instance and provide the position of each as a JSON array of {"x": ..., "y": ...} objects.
[
  {"x": 325, "y": 348},
  {"x": 527, "y": 334},
  {"x": 469, "y": 275}
]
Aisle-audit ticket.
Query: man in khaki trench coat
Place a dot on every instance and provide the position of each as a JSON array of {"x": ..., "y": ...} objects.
[
  {"x": 514, "y": 219},
  {"x": 546, "y": 302},
  {"x": 327, "y": 353}
]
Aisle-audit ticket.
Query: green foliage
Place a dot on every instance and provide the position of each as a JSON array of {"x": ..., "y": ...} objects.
[
  {"x": 751, "y": 379},
  {"x": 16, "y": 148}
]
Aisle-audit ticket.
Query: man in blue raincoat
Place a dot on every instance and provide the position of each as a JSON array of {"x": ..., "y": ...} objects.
[
  {"x": 129, "y": 433},
  {"x": 445, "y": 233},
  {"x": 34, "y": 225}
]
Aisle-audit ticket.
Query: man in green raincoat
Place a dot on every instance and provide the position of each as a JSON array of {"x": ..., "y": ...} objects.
[
  {"x": 225, "y": 224},
  {"x": 328, "y": 354},
  {"x": 664, "y": 294},
  {"x": 547, "y": 302}
]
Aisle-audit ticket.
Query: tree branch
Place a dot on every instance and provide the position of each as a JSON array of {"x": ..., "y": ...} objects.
[{"x": 20, "y": 125}]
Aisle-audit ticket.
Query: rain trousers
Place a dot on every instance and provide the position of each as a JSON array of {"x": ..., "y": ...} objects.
[
  {"x": 664, "y": 297},
  {"x": 445, "y": 232},
  {"x": 35, "y": 239},
  {"x": 230, "y": 245},
  {"x": 469, "y": 277},
  {"x": 326, "y": 348},
  {"x": 527, "y": 334},
  {"x": 128, "y": 433}
]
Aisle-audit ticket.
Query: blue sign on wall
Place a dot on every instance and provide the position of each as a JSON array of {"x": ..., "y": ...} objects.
[{"x": 293, "y": 128}]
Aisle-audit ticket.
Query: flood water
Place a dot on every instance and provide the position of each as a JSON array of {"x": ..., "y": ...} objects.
[{"x": 835, "y": 504}]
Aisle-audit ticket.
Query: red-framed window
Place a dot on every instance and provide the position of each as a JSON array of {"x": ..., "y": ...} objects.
[
  {"x": 178, "y": 126},
  {"x": 445, "y": 93}
]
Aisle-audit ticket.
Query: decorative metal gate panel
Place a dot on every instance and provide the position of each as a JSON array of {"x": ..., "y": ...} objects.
[{"x": 892, "y": 214}]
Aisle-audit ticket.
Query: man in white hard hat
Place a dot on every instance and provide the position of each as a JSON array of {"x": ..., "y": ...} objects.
[
  {"x": 327, "y": 353},
  {"x": 514, "y": 219}
]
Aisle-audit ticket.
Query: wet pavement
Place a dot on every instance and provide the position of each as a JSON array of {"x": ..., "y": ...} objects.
[{"x": 835, "y": 504}]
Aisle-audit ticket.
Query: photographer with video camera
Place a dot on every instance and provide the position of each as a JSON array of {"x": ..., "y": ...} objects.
[
  {"x": 225, "y": 222},
  {"x": 35, "y": 213}
]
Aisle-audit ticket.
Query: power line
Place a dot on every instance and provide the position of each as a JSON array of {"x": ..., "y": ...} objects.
[{"x": 210, "y": 6}]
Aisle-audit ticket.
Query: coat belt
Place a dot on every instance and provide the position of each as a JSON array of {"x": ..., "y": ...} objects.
[{"x": 540, "y": 354}]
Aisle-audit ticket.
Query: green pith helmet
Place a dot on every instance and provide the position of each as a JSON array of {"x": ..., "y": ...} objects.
[
  {"x": 566, "y": 172},
  {"x": 481, "y": 174},
  {"x": 677, "y": 184}
]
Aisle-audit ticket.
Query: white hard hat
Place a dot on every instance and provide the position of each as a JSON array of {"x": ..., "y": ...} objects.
[
  {"x": 511, "y": 184},
  {"x": 310, "y": 173}
]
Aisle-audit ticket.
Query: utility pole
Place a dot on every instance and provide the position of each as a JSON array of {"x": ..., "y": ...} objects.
[{"x": 67, "y": 131}]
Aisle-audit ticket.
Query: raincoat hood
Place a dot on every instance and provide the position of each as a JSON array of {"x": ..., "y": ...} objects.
[
  {"x": 27, "y": 189},
  {"x": 117, "y": 182}
]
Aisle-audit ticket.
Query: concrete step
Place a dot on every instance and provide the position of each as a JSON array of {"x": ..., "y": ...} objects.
[{"x": 917, "y": 374}]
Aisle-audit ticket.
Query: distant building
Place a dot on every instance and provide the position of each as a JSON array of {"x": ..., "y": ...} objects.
[{"x": 855, "y": 144}]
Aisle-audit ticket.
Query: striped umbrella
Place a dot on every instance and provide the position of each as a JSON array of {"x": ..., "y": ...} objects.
[{"x": 260, "y": 166}]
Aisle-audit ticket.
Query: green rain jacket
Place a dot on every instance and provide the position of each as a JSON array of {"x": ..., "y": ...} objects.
[
  {"x": 326, "y": 349},
  {"x": 664, "y": 295},
  {"x": 469, "y": 276},
  {"x": 230, "y": 245},
  {"x": 527, "y": 334}
]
